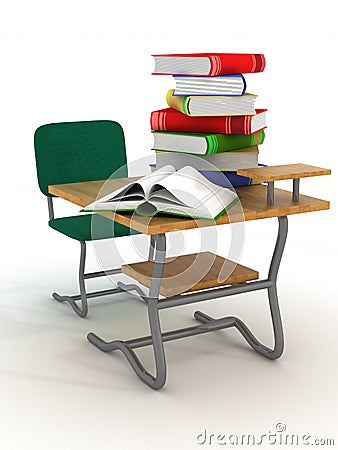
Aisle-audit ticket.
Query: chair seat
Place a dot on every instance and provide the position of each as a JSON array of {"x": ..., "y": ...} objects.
[{"x": 88, "y": 227}]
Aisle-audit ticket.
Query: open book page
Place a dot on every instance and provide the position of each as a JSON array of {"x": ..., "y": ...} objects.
[
  {"x": 185, "y": 192},
  {"x": 203, "y": 212},
  {"x": 192, "y": 195},
  {"x": 187, "y": 185},
  {"x": 131, "y": 194}
]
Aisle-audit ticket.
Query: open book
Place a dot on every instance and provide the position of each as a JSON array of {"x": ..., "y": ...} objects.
[{"x": 183, "y": 192}]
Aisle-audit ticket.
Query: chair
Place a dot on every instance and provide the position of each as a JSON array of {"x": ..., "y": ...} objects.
[{"x": 72, "y": 152}]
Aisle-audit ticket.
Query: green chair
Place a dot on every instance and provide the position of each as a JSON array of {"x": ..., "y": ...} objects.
[{"x": 72, "y": 152}]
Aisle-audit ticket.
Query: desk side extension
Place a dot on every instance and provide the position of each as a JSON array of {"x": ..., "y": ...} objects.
[{"x": 293, "y": 172}]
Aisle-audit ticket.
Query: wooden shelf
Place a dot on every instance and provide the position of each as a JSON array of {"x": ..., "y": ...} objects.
[
  {"x": 283, "y": 172},
  {"x": 286, "y": 172},
  {"x": 192, "y": 272}
]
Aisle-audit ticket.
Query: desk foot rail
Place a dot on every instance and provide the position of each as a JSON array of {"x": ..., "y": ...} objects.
[
  {"x": 156, "y": 381},
  {"x": 260, "y": 348},
  {"x": 73, "y": 299},
  {"x": 213, "y": 325},
  {"x": 132, "y": 287}
]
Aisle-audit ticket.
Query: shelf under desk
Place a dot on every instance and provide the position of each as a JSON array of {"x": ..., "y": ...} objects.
[{"x": 188, "y": 273}]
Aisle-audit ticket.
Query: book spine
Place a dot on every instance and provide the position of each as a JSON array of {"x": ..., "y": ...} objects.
[
  {"x": 227, "y": 179},
  {"x": 258, "y": 138},
  {"x": 237, "y": 124},
  {"x": 212, "y": 144},
  {"x": 178, "y": 102},
  {"x": 159, "y": 121},
  {"x": 218, "y": 143},
  {"x": 236, "y": 63},
  {"x": 244, "y": 84}
]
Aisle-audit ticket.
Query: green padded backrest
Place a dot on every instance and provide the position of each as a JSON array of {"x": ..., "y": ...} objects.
[{"x": 70, "y": 152}]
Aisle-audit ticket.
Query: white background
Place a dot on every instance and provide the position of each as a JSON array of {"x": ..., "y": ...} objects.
[{"x": 72, "y": 60}]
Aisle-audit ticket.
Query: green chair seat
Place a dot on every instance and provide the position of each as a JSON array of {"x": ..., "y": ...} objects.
[{"x": 87, "y": 228}]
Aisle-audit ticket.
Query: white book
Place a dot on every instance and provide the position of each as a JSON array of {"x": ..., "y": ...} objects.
[
  {"x": 226, "y": 161},
  {"x": 184, "y": 192},
  {"x": 220, "y": 85}
]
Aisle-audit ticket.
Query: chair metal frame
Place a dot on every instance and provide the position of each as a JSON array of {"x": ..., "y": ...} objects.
[{"x": 82, "y": 298}]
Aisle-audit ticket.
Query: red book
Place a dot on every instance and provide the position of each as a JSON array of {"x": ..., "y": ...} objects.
[
  {"x": 210, "y": 64},
  {"x": 171, "y": 120}
]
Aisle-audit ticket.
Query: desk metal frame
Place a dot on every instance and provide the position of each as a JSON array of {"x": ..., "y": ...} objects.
[
  {"x": 157, "y": 253},
  {"x": 254, "y": 206}
]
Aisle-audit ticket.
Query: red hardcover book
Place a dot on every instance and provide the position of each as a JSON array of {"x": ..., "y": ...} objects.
[
  {"x": 210, "y": 64},
  {"x": 169, "y": 119}
]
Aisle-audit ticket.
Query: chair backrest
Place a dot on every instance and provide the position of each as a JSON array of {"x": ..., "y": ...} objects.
[{"x": 71, "y": 152}]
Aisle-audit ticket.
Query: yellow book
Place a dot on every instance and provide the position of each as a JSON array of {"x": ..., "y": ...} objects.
[{"x": 212, "y": 105}]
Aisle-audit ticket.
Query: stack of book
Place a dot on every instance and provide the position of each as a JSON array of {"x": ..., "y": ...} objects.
[{"x": 211, "y": 122}]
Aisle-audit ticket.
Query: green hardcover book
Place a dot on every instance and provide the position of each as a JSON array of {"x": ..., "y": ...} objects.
[{"x": 204, "y": 143}]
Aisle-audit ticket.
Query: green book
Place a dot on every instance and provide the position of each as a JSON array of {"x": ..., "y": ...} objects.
[{"x": 204, "y": 143}]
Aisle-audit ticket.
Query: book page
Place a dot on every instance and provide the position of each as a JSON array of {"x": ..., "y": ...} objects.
[
  {"x": 142, "y": 186},
  {"x": 188, "y": 186},
  {"x": 155, "y": 177},
  {"x": 159, "y": 193},
  {"x": 118, "y": 205},
  {"x": 186, "y": 211},
  {"x": 136, "y": 191}
]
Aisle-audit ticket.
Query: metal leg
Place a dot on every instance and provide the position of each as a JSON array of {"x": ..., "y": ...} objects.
[
  {"x": 157, "y": 381},
  {"x": 295, "y": 190},
  {"x": 151, "y": 248},
  {"x": 50, "y": 208},
  {"x": 129, "y": 287},
  {"x": 82, "y": 310},
  {"x": 270, "y": 193},
  {"x": 277, "y": 351}
]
